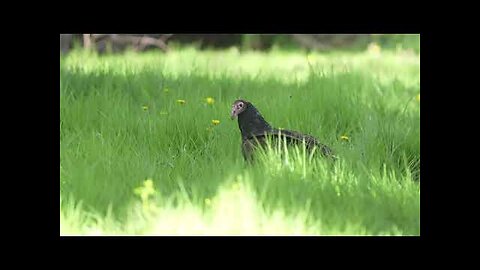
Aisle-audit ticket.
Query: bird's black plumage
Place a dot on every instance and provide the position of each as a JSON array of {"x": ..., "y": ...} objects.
[{"x": 255, "y": 130}]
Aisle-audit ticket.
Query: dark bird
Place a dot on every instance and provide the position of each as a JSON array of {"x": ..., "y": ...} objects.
[{"x": 255, "y": 130}]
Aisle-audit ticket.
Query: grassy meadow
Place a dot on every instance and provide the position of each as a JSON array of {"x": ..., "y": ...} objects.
[{"x": 141, "y": 154}]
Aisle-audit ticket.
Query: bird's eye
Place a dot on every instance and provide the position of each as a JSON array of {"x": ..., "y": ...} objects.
[{"x": 240, "y": 105}]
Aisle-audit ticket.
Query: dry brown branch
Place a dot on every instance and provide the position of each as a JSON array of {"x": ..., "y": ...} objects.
[
  {"x": 138, "y": 43},
  {"x": 146, "y": 40},
  {"x": 165, "y": 37},
  {"x": 310, "y": 42}
]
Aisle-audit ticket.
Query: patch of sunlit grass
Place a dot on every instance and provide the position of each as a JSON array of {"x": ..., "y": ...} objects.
[{"x": 125, "y": 118}]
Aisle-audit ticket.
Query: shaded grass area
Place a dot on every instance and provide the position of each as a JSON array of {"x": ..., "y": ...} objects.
[{"x": 120, "y": 123}]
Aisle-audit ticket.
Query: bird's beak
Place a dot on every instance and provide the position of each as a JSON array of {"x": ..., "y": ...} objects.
[{"x": 233, "y": 114}]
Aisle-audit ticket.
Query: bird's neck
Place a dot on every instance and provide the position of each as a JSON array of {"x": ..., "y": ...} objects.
[{"x": 251, "y": 122}]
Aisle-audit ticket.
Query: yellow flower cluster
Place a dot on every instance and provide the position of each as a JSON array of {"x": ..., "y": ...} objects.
[
  {"x": 210, "y": 100},
  {"x": 146, "y": 190}
]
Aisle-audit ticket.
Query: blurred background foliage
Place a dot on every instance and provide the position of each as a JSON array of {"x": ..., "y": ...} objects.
[{"x": 103, "y": 43}]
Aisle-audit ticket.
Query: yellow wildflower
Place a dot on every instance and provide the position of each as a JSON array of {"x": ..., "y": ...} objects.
[
  {"x": 146, "y": 190},
  {"x": 210, "y": 100},
  {"x": 181, "y": 101},
  {"x": 145, "y": 107},
  {"x": 208, "y": 201},
  {"x": 148, "y": 184},
  {"x": 345, "y": 138},
  {"x": 374, "y": 48},
  {"x": 215, "y": 122}
]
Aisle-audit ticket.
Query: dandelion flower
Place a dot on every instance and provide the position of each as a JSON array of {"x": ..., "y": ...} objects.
[
  {"x": 345, "y": 138},
  {"x": 208, "y": 201},
  {"x": 148, "y": 184},
  {"x": 215, "y": 122},
  {"x": 374, "y": 48},
  {"x": 210, "y": 100},
  {"x": 146, "y": 190},
  {"x": 181, "y": 101}
]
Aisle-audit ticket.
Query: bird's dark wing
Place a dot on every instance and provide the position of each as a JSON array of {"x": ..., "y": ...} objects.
[
  {"x": 295, "y": 137},
  {"x": 291, "y": 137}
]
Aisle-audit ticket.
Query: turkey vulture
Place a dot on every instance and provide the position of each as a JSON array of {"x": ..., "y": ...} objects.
[{"x": 255, "y": 129}]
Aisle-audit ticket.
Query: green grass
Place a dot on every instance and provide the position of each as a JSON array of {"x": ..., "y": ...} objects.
[{"x": 120, "y": 124}]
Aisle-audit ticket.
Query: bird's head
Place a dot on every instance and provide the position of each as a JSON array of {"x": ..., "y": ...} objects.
[
  {"x": 238, "y": 107},
  {"x": 250, "y": 121}
]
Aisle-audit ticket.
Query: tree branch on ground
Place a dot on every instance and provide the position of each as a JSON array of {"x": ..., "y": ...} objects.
[{"x": 309, "y": 42}]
